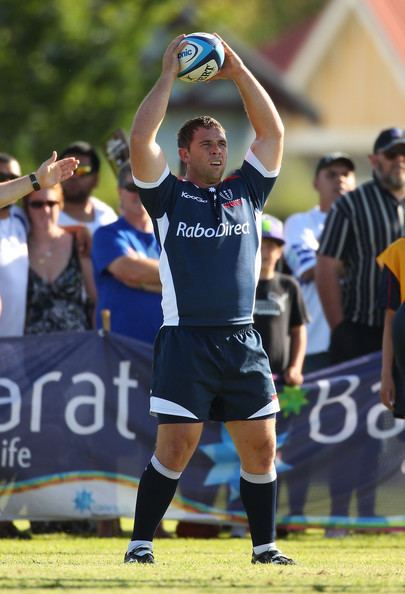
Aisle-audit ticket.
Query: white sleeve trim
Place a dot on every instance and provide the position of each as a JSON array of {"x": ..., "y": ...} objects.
[
  {"x": 254, "y": 161},
  {"x": 155, "y": 184}
]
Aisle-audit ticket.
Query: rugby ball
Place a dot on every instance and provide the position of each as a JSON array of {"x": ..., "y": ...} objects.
[{"x": 201, "y": 58}]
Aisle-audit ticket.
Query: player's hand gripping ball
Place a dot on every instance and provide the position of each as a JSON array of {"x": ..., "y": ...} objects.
[{"x": 201, "y": 58}]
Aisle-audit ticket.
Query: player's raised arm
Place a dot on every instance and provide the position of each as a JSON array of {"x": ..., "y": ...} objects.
[
  {"x": 147, "y": 158},
  {"x": 261, "y": 111}
]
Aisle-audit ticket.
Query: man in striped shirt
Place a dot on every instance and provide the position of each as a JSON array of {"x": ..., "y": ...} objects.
[{"x": 359, "y": 226}]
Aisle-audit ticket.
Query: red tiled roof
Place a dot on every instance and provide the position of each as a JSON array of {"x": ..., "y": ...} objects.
[
  {"x": 283, "y": 50},
  {"x": 391, "y": 16}
]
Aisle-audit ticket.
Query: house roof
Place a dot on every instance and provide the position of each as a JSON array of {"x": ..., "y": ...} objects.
[
  {"x": 283, "y": 50},
  {"x": 298, "y": 51},
  {"x": 223, "y": 94},
  {"x": 391, "y": 16}
]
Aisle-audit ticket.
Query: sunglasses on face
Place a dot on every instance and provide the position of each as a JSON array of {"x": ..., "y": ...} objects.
[
  {"x": 37, "y": 204},
  {"x": 7, "y": 177},
  {"x": 83, "y": 170},
  {"x": 391, "y": 155}
]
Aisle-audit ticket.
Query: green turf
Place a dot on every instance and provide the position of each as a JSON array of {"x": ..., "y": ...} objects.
[{"x": 72, "y": 564}]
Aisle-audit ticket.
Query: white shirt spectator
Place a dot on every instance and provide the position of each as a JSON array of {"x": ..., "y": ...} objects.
[
  {"x": 302, "y": 232},
  {"x": 103, "y": 215},
  {"x": 13, "y": 272}
]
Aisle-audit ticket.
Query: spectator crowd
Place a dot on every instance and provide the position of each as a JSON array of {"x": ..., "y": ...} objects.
[{"x": 331, "y": 286}]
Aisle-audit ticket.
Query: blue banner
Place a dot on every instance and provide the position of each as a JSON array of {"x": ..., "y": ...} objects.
[{"x": 76, "y": 434}]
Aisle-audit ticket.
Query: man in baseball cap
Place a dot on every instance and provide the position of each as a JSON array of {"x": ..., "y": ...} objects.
[
  {"x": 334, "y": 175},
  {"x": 390, "y": 139},
  {"x": 359, "y": 226},
  {"x": 388, "y": 161},
  {"x": 332, "y": 158}
]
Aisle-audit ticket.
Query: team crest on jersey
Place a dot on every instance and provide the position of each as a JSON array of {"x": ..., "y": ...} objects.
[{"x": 226, "y": 195}]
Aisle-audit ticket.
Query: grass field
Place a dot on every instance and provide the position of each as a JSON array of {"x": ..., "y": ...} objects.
[{"x": 366, "y": 563}]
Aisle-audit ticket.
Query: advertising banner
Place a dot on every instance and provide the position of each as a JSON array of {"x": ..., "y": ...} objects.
[{"x": 76, "y": 434}]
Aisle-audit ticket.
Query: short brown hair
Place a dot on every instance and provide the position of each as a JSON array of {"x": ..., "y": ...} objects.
[{"x": 186, "y": 133}]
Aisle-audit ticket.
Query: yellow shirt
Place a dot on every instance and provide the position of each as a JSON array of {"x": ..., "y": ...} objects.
[{"x": 394, "y": 258}]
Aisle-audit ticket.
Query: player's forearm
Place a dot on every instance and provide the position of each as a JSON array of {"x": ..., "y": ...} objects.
[
  {"x": 329, "y": 290},
  {"x": 147, "y": 158},
  {"x": 152, "y": 111},
  {"x": 261, "y": 110}
]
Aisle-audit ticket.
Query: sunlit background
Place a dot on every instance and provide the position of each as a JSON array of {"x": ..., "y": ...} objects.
[{"x": 335, "y": 68}]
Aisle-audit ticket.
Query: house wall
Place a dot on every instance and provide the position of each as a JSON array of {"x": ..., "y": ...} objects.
[
  {"x": 357, "y": 92},
  {"x": 354, "y": 85}
]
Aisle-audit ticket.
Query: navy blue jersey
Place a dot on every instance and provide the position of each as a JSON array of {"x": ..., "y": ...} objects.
[{"x": 210, "y": 241}]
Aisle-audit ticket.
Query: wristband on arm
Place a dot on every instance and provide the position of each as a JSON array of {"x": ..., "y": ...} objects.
[{"x": 34, "y": 181}]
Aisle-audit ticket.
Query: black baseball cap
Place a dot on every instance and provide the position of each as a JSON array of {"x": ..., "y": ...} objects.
[
  {"x": 389, "y": 138},
  {"x": 81, "y": 147},
  {"x": 330, "y": 158}
]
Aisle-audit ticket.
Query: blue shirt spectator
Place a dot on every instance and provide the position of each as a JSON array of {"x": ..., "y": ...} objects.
[{"x": 125, "y": 259}]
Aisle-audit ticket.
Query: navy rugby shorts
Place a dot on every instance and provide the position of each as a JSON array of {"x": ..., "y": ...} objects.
[{"x": 215, "y": 373}]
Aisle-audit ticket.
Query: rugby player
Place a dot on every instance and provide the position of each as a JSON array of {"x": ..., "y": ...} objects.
[{"x": 209, "y": 364}]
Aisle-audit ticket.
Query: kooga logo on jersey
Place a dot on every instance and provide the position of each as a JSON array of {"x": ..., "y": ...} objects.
[{"x": 223, "y": 229}]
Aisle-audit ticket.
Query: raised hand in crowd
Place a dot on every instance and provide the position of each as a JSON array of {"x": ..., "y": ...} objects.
[{"x": 49, "y": 173}]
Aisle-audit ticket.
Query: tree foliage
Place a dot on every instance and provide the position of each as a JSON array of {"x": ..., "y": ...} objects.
[
  {"x": 72, "y": 70},
  {"x": 79, "y": 69}
]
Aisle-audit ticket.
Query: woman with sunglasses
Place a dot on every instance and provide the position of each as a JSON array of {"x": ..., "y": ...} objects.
[{"x": 60, "y": 281}]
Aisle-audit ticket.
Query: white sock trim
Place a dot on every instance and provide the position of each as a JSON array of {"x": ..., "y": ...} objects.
[
  {"x": 271, "y": 546},
  {"x": 259, "y": 479},
  {"x": 145, "y": 544},
  {"x": 171, "y": 474}
]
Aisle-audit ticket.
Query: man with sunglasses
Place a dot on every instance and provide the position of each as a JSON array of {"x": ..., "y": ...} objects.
[
  {"x": 359, "y": 226},
  {"x": 126, "y": 267},
  {"x": 80, "y": 207}
]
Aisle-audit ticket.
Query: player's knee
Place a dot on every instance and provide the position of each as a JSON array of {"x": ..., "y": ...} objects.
[
  {"x": 263, "y": 456},
  {"x": 176, "y": 453}
]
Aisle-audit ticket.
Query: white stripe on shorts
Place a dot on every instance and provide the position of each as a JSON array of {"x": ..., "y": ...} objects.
[
  {"x": 270, "y": 408},
  {"x": 166, "y": 407}
]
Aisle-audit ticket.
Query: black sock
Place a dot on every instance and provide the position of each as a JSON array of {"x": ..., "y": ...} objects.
[
  {"x": 155, "y": 493},
  {"x": 259, "y": 500}
]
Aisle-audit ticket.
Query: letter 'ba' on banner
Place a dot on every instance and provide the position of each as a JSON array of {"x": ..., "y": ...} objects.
[{"x": 76, "y": 434}]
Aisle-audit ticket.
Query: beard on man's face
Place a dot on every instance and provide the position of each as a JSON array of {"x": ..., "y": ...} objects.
[
  {"x": 391, "y": 180},
  {"x": 77, "y": 195}
]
